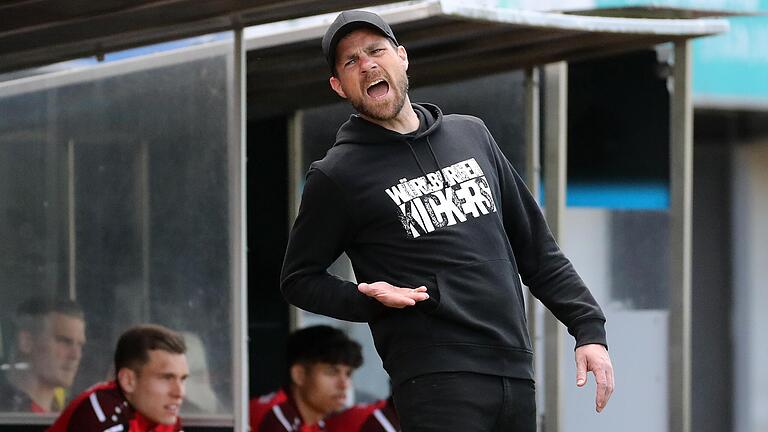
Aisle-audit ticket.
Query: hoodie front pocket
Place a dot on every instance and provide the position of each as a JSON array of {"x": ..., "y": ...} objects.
[{"x": 482, "y": 303}]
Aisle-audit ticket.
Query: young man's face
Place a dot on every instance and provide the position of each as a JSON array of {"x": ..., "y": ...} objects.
[
  {"x": 322, "y": 387},
  {"x": 157, "y": 389},
  {"x": 55, "y": 353},
  {"x": 371, "y": 74}
]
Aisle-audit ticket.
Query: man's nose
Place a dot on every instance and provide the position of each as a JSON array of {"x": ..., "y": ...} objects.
[
  {"x": 178, "y": 389},
  {"x": 345, "y": 382},
  {"x": 368, "y": 63},
  {"x": 76, "y": 352}
]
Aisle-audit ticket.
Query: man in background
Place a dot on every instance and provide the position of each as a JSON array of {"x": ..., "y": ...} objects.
[
  {"x": 320, "y": 361},
  {"x": 146, "y": 395},
  {"x": 49, "y": 345}
]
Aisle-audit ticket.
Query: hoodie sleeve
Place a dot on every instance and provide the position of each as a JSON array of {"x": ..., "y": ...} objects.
[
  {"x": 319, "y": 235},
  {"x": 542, "y": 265}
]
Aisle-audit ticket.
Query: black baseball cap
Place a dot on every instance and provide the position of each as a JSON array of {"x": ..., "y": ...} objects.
[{"x": 347, "y": 22}]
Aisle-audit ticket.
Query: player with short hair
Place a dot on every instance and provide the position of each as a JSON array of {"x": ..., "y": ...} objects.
[
  {"x": 49, "y": 345},
  {"x": 320, "y": 362},
  {"x": 151, "y": 367}
]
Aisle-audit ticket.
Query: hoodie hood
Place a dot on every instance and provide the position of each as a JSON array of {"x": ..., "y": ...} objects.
[{"x": 358, "y": 130}]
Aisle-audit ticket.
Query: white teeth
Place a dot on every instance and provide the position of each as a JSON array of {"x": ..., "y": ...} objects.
[{"x": 375, "y": 82}]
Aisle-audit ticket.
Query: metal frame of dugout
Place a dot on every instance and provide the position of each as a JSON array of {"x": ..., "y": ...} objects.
[{"x": 450, "y": 42}]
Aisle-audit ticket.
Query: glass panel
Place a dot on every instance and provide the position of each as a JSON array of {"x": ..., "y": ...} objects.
[
  {"x": 623, "y": 256},
  {"x": 114, "y": 192}
]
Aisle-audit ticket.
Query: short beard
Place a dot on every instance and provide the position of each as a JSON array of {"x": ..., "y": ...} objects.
[{"x": 382, "y": 113}]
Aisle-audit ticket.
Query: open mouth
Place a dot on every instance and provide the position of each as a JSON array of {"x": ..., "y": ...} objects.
[
  {"x": 378, "y": 88},
  {"x": 172, "y": 409}
]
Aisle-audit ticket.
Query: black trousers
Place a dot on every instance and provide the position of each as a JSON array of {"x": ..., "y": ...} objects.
[{"x": 466, "y": 402}]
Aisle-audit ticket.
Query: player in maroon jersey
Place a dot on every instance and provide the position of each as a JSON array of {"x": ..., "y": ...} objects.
[
  {"x": 146, "y": 395},
  {"x": 320, "y": 360},
  {"x": 379, "y": 416}
]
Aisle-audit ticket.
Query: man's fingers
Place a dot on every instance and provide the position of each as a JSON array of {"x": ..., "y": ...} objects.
[
  {"x": 581, "y": 371},
  {"x": 418, "y": 294},
  {"x": 366, "y": 289},
  {"x": 601, "y": 397},
  {"x": 393, "y": 296},
  {"x": 594, "y": 358},
  {"x": 609, "y": 382}
]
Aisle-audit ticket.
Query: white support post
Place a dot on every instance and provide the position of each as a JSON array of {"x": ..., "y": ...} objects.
[{"x": 238, "y": 236}]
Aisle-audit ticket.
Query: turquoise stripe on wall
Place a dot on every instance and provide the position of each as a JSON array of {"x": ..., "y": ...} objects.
[
  {"x": 733, "y": 65},
  {"x": 742, "y": 6},
  {"x": 617, "y": 196}
]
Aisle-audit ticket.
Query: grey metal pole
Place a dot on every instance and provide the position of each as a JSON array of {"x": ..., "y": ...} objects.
[
  {"x": 238, "y": 236},
  {"x": 532, "y": 168},
  {"x": 71, "y": 222},
  {"x": 145, "y": 228},
  {"x": 295, "y": 163},
  {"x": 681, "y": 201},
  {"x": 295, "y": 176},
  {"x": 532, "y": 179},
  {"x": 555, "y": 153},
  {"x": 52, "y": 179}
]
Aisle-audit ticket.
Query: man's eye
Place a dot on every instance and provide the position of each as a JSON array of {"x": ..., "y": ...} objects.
[{"x": 349, "y": 63}]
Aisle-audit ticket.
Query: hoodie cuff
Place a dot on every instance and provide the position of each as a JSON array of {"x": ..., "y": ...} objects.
[{"x": 590, "y": 332}]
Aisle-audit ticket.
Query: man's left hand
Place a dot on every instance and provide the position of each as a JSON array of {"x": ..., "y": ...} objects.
[{"x": 595, "y": 358}]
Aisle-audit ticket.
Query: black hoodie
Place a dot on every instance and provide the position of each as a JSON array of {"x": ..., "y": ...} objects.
[{"x": 441, "y": 207}]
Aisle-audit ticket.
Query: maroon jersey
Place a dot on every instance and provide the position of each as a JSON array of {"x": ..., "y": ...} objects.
[
  {"x": 277, "y": 412},
  {"x": 103, "y": 408},
  {"x": 379, "y": 416}
]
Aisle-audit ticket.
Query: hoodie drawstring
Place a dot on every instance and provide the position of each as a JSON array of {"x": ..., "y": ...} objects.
[
  {"x": 437, "y": 162},
  {"x": 418, "y": 162},
  {"x": 434, "y": 156}
]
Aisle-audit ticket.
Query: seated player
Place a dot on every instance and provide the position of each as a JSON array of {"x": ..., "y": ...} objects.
[
  {"x": 50, "y": 334},
  {"x": 151, "y": 367},
  {"x": 320, "y": 360}
]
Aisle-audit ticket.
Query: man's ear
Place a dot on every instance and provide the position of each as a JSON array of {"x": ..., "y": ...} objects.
[
  {"x": 127, "y": 379},
  {"x": 403, "y": 54},
  {"x": 25, "y": 342},
  {"x": 298, "y": 374},
  {"x": 336, "y": 86}
]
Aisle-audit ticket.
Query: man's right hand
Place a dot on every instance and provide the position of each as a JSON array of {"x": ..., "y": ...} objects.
[{"x": 392, "y": 296}]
